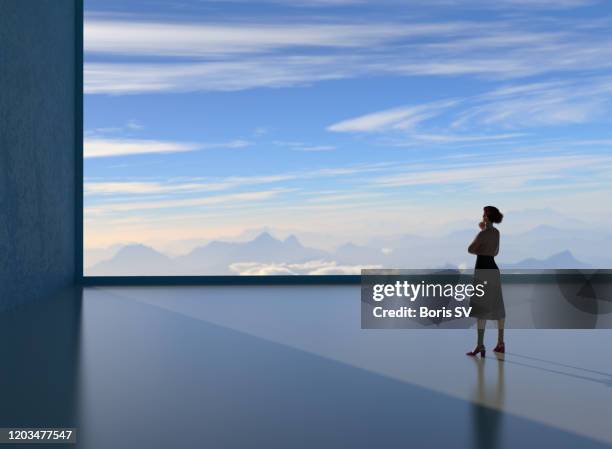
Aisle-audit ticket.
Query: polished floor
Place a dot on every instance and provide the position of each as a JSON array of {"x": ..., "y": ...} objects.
[{"x": 285, "y": 367}]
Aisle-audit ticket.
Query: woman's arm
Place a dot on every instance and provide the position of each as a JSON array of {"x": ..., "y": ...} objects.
[{"x": 475, "y": 245}]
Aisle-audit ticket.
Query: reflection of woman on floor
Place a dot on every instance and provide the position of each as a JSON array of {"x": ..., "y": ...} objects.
[
  {"x": 491, "y": 305},
  {"x": 487, "y": 407}
]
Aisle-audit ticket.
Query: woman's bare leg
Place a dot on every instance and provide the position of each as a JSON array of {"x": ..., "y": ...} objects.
[
  {"x": 481, "y": 330},
  {"x": 500, "y": 330}
]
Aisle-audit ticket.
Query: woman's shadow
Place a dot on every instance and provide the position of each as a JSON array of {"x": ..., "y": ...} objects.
[{"x": 557, "y": 368}]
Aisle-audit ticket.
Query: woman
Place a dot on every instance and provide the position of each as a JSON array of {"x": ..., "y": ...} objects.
[{"x": 491, "y": 305}]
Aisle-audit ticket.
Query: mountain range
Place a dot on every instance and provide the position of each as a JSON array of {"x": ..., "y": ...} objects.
[
  {"x": 563, "y": 260},
  {"x": 266, "y": 254}
]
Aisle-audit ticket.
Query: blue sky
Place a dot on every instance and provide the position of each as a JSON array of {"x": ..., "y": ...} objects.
[{"x": 349, "y": 118}]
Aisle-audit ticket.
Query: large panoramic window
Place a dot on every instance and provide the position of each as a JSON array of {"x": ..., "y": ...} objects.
[{"x": 325, "y": 136}]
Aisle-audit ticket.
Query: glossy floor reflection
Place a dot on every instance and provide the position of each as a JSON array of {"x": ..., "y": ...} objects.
[
  {"x": 290, "y": 367},
  {"x": 39, "y": 363}
]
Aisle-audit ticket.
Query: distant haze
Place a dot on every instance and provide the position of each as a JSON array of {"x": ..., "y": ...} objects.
[{"x": 267, "y": 255}]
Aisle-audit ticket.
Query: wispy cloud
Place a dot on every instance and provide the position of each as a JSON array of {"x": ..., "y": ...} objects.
[
  {"x": 205, "y": 39},
  {"x": 488, "y": 117},
  {"x": 394, "y": 119},
  {"x": 129, "y": 127},
  {"x": 143, "y": 188},
  {"x": 226, "y": 199},
  {"x": 402, "y": 118},
  {"x": 244, "y": 55},
  {"x": 193, "y": 185},
  {"x": 315, "y": 148},
  {"x": 535, "y": 172},
  {"x": 539, "y": 104},
  {"x": 409, "y": 126},
  {"x": 450, "y": 138},
  {"x": 116, "y": 188},
  {"x": 130, "y": 78},
  {"x": 100, "y": 147},
  {"x": 134, "y": 125},
  {"x": 361, "y": 185},
  {"x": 354, "y": 197},
  {"x": 303, "y": 146}
]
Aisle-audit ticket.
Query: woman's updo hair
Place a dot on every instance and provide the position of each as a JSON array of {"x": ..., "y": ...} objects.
[{"x": 494, "y": 214}]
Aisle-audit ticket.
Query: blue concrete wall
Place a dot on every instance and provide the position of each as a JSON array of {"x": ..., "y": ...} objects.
[{"x": 37, "y": 149}]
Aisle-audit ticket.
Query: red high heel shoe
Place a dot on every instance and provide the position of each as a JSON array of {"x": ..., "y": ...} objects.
[
  {"x": 478, "y": 350},
  {"x": 501, "y": 348}
]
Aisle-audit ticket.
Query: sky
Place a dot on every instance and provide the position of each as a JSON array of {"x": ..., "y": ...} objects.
[{"x": 353, "y": 119}]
